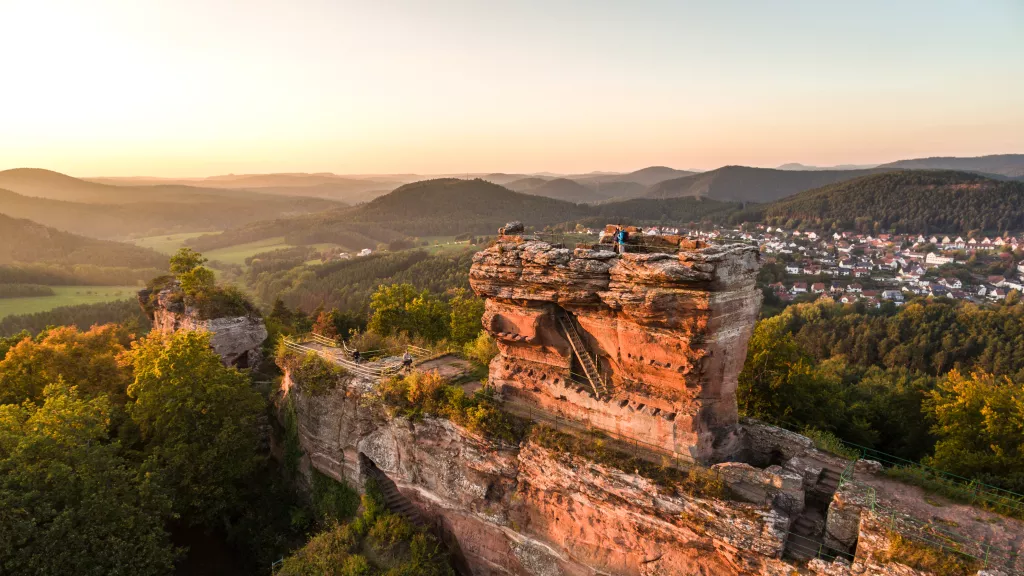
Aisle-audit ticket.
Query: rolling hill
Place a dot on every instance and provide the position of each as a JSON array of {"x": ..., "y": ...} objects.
[
  {"x": 645, "y": 176},
  {"x": 564, "y": 189},
  {"x": 911, "y": 200},
  {"x": 107, "y": 211},
  {"x": 444, "y": 207},
  {"x": 523, "y": 184},
  {"x": 745, "y": 184},
  {"x": 1011, "y": 165},
  {"x": 35, "y": 254}
]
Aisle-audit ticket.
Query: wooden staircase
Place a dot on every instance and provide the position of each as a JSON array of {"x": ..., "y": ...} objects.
[{"x": 583, "y": 356}]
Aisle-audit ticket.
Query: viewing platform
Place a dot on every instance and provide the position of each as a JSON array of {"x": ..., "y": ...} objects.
[{"x": 373, "y": 364}]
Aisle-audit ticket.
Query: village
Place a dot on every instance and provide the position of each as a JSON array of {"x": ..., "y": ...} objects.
[{"x": 852, "y": 267}]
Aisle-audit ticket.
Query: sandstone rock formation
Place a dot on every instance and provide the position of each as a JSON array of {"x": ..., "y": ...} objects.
[
  {"x": 236, "y": 339},
  {"x": 666, "y": 331},
  {"x": 527, "y": 511}
]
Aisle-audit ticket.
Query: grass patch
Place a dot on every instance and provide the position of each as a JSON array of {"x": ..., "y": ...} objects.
[
  {"x": 167, "y": 243},
  {"x": 238, "y": 253},
  {"x": 929, "y": 558},
  {"x": 65, "y": 296},
  {"x": 696, "y": 481}
]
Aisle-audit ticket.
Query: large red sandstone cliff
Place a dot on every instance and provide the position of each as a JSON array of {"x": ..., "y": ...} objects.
[{"x": 668, "y": 333}]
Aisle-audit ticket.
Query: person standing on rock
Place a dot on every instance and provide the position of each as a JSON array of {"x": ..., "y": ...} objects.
[
  {"x": 407, "y": 361},
  {"x": 621, "y": 237}
]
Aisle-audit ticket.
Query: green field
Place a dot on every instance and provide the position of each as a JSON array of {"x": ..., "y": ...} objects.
[
  {"x": 166, "y": 243},
  {"x": 239, "y": 252},
  {"x": 65, "y": 296}
]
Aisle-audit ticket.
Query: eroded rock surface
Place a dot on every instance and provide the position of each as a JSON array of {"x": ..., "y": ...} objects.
[
  {"x": 237, "y": 339},
  {"x": 668, "y": 334},
  {"x": 525, "y": 510}
]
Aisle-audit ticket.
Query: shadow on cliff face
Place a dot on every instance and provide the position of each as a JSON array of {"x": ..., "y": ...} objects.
[
  {"x": 401, "y": 505},
  {"x": 209, "y": 554}
]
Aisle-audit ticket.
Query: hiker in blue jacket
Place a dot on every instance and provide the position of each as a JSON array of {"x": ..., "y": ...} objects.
[{"x": 621, "y": 237}]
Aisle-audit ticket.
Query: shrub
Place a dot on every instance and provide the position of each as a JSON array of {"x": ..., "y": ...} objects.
[
  {"x": 221, "y": 302},
  {"x": 829, "y": 442},
  {"x": 481, "y": 350},
  {"x": 316, "y": 376},
  {"x": 332, "y": 501},
  {"x": 420, "y": 394}
]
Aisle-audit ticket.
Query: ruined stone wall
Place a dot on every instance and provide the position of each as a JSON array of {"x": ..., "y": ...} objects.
[{"x": 669, "y": 332}]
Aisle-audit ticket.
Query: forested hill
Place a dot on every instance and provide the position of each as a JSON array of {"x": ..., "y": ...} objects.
[
  {"x": 1011, "y": 165},
  {"x": 746, "y": 184},
  {"x": 28, "y": 242},
  {"x": 909, "y": 201},
  {"x": 31, "y": 253},
  {"x": 452, "y": 206}
]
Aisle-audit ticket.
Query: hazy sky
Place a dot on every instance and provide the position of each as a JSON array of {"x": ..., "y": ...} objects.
[{"x": 201, "y": 87}]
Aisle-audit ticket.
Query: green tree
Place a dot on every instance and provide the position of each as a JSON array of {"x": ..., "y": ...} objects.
[
  {"x": 466, "y": 311},
  {"x": 69, "y": 502},
  {"x": 979, "y": 420},
  {"x": 198, "y": 422},
  {"x": 389, "y": 306},
  {"x": 185, "y": 261},
  {"x": 779, "y": 382}
]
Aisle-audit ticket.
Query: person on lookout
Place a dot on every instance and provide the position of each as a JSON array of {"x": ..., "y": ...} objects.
[
  {"x": 356, "y": 357},
  {"x": 621, "y": 237},
  {"x": 407, "y": 361}
]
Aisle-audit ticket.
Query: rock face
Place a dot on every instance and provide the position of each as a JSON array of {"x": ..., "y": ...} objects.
[
  {"x": 527, "y": 511},
  {"x": 237, "y": 340},
  {"x": 667, "y": 332}
]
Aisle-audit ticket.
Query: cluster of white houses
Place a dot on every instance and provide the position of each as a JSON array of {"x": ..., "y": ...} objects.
[{"x": 897, "y": 266}]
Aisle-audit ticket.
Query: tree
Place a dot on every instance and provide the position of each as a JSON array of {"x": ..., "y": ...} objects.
[
  {"x": 198, "y": 422},
  {"x": 779, "y": 382},
  {"x": 185, "y": 261},
  {"x": 69, "y": 502},
  {"x": 466, "y": 311},
  {"x": 979, "y": 420},
  {"x": 87, "y": 360}
]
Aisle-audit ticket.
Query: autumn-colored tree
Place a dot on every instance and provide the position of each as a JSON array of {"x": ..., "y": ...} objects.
[
  {"x": 69, "y": 502},
  {"x": 86, "y": 360},
  {"x": 198, "y": 422}
]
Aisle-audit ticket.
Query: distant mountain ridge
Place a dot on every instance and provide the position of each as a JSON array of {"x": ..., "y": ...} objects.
[
  {"x": 1011, "y": 165},
  {"x": 746, "y": 184}
]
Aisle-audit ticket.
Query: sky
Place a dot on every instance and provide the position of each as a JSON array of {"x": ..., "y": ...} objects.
[{"x": 202, "y": 87}]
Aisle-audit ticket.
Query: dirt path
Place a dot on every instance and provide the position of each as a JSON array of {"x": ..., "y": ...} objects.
[
  {"x": 970, "y": 524},
  {"x": 449, "y": 366}
]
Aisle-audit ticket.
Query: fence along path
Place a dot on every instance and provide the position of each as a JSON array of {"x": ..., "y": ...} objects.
[{"x": 339, "y": 353}]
